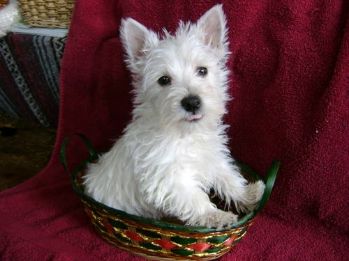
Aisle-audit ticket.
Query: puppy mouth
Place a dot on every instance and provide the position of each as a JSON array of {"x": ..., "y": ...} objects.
[{"x": 193, "y": 117}]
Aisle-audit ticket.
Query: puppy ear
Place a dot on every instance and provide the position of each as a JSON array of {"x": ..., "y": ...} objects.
[
  {"x": 136, "y": 38},
  {"x": 213, "y": 25}
]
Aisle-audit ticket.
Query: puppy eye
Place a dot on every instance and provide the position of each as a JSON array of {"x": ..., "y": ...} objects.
[
  {"x": 201, "y": 71},
  {"x": 164, "y": 80}
]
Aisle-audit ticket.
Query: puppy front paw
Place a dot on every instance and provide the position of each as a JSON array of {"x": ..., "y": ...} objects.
[
  {"x": 254, "y": 193},
  {"x": 216, "y": 219}
]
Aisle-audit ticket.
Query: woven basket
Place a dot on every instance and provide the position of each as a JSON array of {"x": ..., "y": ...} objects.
[
  {"x": 158, "y": 239},
  {"x": 47, "y": 13},
  {"x": 3, "y": 3}
]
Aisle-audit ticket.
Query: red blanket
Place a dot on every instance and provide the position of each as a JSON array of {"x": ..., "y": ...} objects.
[{"x": 290, "y": 82}]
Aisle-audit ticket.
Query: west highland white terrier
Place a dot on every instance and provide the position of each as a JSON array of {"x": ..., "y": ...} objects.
[{"x": 175, "y": 149}]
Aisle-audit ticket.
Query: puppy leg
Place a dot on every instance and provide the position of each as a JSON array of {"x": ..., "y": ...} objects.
[
  {"x": 190, "y": 204},
  {"x": 198, "y": 210},
  {"x": 233, "y": 187}
]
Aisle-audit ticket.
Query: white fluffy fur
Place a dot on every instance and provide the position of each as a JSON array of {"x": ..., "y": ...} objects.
[
  {"x": 165, "y": 164},
  {"x": 9, "y": 15}
]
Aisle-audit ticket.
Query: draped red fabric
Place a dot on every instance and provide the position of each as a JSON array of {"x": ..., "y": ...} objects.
[{"x": 290, "y": 83}]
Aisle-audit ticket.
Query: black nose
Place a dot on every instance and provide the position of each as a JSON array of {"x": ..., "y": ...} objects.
[{"x": 191, "y": 103}]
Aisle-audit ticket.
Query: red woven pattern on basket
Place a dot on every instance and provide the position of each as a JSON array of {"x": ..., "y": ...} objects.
[
  {"x": 108, "y": 226},
  {"x": 165, "y": 243},
  {"x": 133, "y": 236},
  {"x": 200, "y": 246},
  {"x": 230, "y": 241}
]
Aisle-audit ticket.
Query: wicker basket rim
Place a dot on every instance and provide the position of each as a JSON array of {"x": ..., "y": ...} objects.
[{"x": 164, "y": 224}]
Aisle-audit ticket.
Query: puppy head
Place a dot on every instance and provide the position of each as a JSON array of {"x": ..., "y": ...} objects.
[{"x": 179, "y": 80}]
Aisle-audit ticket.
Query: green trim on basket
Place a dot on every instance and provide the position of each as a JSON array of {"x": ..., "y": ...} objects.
[
  {"x": 150, "y": 246},
  {"x": 217, "y": 240},
  {"x": 269, "y": 184},
  {"x": 148, "y": 233},
  {"x": 117, "y": 224},
  {"x": 270, "y": 180},
  {"x": 183, "y": 240},
  {"x": 122, "y": 238},
  {"x": 214, "y": 249},
  {"x": 182, "y": 252}
]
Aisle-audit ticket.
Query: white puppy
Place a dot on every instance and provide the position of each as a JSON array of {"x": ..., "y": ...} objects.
[{"x": 175, "y": 149}]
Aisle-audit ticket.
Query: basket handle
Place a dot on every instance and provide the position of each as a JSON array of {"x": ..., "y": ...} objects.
[
  {"x": 93, "y": 155},
  {"x": 269, "y": 184}
]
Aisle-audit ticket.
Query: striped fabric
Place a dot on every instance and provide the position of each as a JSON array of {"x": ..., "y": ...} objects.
[{"x": 29, "y": 75}]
